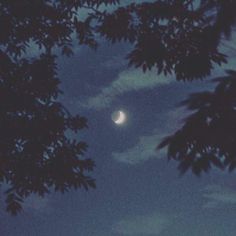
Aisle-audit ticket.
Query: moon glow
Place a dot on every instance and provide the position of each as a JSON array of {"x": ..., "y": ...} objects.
[{"x": 118, "y": 117}]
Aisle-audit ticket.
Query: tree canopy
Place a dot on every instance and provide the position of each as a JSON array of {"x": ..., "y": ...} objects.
[{"x": 173, "y": 36}]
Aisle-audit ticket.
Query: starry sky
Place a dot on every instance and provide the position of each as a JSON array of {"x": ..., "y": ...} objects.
[{"x": 139, "y": 193}]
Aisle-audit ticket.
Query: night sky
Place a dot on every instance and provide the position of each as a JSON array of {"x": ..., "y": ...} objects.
[{"x": 139, "y": 193}]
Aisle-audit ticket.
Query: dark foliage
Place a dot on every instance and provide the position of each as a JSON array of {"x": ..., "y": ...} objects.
[
  {"x": 174, "y": 36},
  {"x": 208, "y": 136},
  {"x": 35, "y": 153}
]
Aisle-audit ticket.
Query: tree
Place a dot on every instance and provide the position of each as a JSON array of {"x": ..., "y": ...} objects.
[{"x": 36, "y": 154}]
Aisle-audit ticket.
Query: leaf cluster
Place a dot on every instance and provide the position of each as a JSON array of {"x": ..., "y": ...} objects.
[
  {"x": 173, "y": 36},
  {"x": 36, "y": 155},
  {"x": 207, "y": 137}
]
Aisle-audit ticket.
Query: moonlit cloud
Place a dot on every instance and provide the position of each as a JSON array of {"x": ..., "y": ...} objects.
[
  {"x": 128, "y": 80},
  {"x": 144, "y": 150},
  {"x": 141, "y": 225},
  {"x": 219, "y": 196}
]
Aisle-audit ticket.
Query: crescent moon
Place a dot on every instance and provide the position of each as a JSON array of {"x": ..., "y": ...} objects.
[{"x": 121, "y": 118}]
